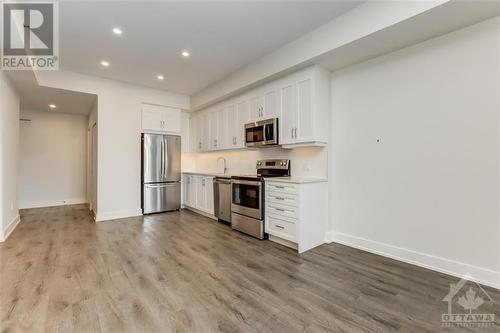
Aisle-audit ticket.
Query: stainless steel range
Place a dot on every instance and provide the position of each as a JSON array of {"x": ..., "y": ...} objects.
[{"x": 247, "y": 204}]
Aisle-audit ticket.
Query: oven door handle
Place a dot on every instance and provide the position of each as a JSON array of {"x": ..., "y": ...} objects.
[{"x": 246, "y": 182}]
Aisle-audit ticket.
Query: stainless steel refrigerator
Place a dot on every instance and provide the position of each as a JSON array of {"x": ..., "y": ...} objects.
[{"x": 161, "y": 173}]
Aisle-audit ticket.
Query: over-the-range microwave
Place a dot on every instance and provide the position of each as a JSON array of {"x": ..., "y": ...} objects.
[{"x": 262, "y": 133}]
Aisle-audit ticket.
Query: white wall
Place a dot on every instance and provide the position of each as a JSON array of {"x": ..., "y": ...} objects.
[
  {"x": 9, "y": 143},
  {"x": 53, "y": 159},
  {"x": 305, "y": 162},
  {"x": 119, "y": 127},
  {"x": 428, "y": 193}
]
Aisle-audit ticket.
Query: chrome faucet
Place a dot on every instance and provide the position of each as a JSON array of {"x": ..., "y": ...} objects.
[{"x": 224, "y": 160}]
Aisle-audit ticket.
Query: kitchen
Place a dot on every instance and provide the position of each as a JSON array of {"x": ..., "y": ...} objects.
[
  {"x": 252, "y": 166},
  {"x": 272, "y": 120}
]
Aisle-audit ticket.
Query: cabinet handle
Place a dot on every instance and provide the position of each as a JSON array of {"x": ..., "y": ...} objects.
[
  {"x": 279, "y": 226},
  {"x": 278, "y": 198},
  {"x": 281, "y": 187},
  {"x": 295, "y": 132},
  {"x": 292, "y": 133},
  {"x": 279, "y": 209}
]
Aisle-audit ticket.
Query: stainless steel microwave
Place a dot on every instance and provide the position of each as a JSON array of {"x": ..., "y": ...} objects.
[{"x": 262, "y": 133}]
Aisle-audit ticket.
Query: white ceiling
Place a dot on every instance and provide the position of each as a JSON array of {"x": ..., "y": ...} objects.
[
  {"x": 38, "y": 98},
  {"x": 221, "y": 36}
]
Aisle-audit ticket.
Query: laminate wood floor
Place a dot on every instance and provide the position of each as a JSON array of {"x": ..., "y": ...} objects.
[{"x": 182, "y": 272}]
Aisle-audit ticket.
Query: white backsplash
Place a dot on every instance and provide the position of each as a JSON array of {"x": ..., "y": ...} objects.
[{"x": 309, "y": 162}]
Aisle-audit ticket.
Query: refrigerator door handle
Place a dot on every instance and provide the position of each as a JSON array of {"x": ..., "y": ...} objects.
[
  {"x": 166, "y": 158},
  {"x": 162, "y": 157}
]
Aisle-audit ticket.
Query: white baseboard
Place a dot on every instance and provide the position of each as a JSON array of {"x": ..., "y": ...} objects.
[
  {"x": 106, "y": 216},
  {"x": 455, "y": 268},
  {"x": 53, "y": 203},
  {"x": 9, "y": 228}
]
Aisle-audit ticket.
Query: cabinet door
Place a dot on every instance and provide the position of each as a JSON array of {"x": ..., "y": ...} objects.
[
  {"x": 171, "y": 119},
  {"x": 187, "y": 193},
  {"x": 185, "y": 133},
  {"x": 271, "y": 105},
  {"x": 193, "y": 134},
  {"x": 222, "y": 129},
  {"x": 200, "y": 193},
  {"x": 203, "y": 132},
  {"x": 213, "y": 118},
  {"x": 152, "y": 118},
  {"x": 209, "y": 189},
  {"x": 289, "y": 113},
  {"x": 304, "y": 111},
  {"x": 192, "y": 191},
  {"x": 256, "y": 108},
  {"x": 232, "y": 126},
  {"x": 243, "y": 111}
]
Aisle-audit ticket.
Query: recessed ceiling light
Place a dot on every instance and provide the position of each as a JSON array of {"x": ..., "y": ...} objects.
[
  {"x": 160, "y": 77},
  {"x": 117, "y": 31},
  {"x": 52, "y": 106},
  {"x": 104, "y": 63},
  {"x": 185, "y": 54}
]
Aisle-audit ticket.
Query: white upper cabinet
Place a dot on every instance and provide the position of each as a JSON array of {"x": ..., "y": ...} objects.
[
  {"x": 214, "y": 118},
  {"x": 243, "y": 111},
  {"x": 271, "y": 104},
  {"x": 157, "y": 118},
  {"x": 256, "y": 108},
  {"x": 301, "y": 102},
  {"x": 222, "y": 129},
  {"x": 233, "y": 127},
  {"x": 305, "y": 108},
  {"x": 185, "y": 133}
]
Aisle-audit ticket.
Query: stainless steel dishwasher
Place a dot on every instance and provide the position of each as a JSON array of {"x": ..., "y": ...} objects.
[{"x": 222, "y": 198}]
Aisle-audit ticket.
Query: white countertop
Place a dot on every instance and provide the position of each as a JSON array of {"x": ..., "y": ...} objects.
[
  {"x": 293, "y": 180},
  {"x": 210, "y": 174},
  {"x": 296, "y": 180}
]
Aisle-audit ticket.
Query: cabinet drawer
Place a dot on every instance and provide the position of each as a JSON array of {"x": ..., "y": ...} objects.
[
  {"x": 282, "y": 210},
  {"x": 282, "y": 188},
  {"x": 281, "y": 228},
  {"x": 283, "y": 198}
]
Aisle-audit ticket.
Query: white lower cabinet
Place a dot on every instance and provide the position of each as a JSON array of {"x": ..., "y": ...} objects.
[
  {"x": 295, "y": 215},
  {"x": 198, "y": 193}
]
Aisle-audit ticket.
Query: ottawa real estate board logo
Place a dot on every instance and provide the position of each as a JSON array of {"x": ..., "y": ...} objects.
[
  {"x": 30, "y": 35},
  {"x": 466, "y": 300}
]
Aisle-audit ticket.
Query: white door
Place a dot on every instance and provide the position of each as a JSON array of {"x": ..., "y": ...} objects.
[
  {"x": 303, "y": 131},
  {"x": 289, "y": 113},
  {"x": 193, "y": 191},
  {"x": 213, "y": 130},
  {"x": 193, "y": 134},
  {"x": 271, "y": 105},
  {"x": 232, "y": 126},
  {"x": 202, "y": 132},
  {"x": 243, "y": 111},
  {"x": 171, "y": 119},
  {"x": 209, "y": 189},
  {"x": 256, "y": 108},
  {"x": 201, "y": 194},
  {"x": 222, "y": 129},
  {"x": 152, "y": 119},
  {"x": 186, "y": 133}
]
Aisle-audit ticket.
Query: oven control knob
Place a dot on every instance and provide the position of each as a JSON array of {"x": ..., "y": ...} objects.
[
  {"x": 259, "y": 163},
  {"x": 282, "y": 163}
]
